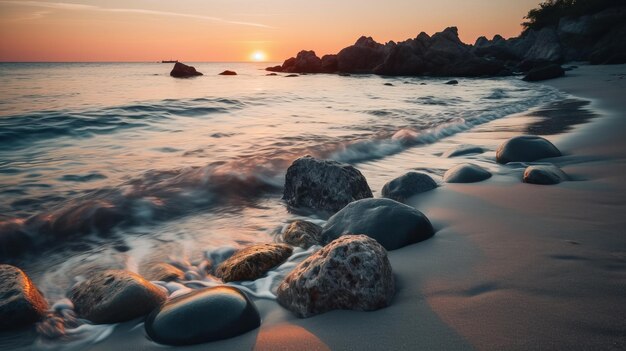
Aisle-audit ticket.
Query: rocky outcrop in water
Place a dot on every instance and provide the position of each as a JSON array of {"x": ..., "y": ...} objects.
[
  {"x": 392, "y": 224},
  {"x": 201, "y": 316},
  {"x": 544, "y": 175},
  {"x": 323, "y": 185},
  {"x": 303, "y": 234},
  {"x": 21, "y": 303},
  {"x": 466, "y": 173},
  {"x": 352, "y": 272},
  {"x": 546, "y": 72},
  {"x": 526, "y": 148},
  {"x": 228, "y": 73},
  {"x": 405, "y": 186},
  {"x": 115, "y": 296},
  {"x": 181, "y": 70},
  {"x": 253, "y": 262}
]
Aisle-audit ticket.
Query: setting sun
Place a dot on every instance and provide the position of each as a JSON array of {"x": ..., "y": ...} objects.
[{"x": 258, "y": 56}]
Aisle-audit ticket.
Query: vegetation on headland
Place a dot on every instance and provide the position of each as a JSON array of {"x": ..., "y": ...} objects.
[{"x": 550, "y": 12}]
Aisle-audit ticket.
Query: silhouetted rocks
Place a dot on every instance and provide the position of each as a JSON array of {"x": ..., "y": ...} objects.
[
  {"x": 526, "y": 148},
  {"x": 228, "y": 73},
  {"x": 181, "y": 70},
  {"x": 21, "y": 303},
  {"x": 323, "y": 185},
  {"x": 253, "y": 262},
  {"x": 466, "y": 173},
  {"x": 203, "y": 315},
  {"x": 115, "y": 296},
  {"x": 544, "y": 175},
  {"x": 362, "y": 57},
  {"x": 278, "y": 68},
  {"x": 303, "y": 234},
  {"x": 544, "y": 73},
  {"x": 330, "y": 64},
  {"x": 392, "y": 224},
  {"x": 412, "y": 183},
  {"x": 352, "y": 273}
]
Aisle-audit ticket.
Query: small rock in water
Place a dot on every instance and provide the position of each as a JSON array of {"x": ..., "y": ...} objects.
[
  {"x": 352, "y": 272},
  {"x": 163, "y": 272},
  {"x": 115, "y": 296},
  {"x": 181, "y": 70},
  {"x": 544, "y": 73},
  {"x": 452, "y": 82},
  {"x": 526, "y": 148},
  {"x": 544, "y": 175},
  {"x": 463, "y": 150},
  {"x": 323, "y": 185},
  {"x": 201, "y": 316},
  {"x": 291, "y": 75},
  {"x": 392, "y": 224},
  {"x": 388, "y": 84},
  {"x": 21, "y": 303},
  {"x": 466, "y": 173},
  {"x": 252, "y": 262},
  {"x": 303, "y": 234},
  {"x": 408, "y": 185},
  {"x": 228, "y": 73},
  {"x": 271, "y": 74}
]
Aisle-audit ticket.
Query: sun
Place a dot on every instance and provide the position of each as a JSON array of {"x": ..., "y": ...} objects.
[{"x": 258, "y": 56}]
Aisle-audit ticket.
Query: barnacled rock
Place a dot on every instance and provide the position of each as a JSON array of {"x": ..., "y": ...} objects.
[
  {"x": 303, "y": 234},
  {"x": 253, "y": 261},
  {"x": 21, "y": 303}
]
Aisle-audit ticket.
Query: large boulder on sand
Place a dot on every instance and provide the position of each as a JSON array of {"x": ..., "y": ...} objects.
[
  {"x": 544, "y": 175},
  {"x": 323, "y": 185},
  {"x": 21, "y": 303},
  {"x": 353, "y": 273},
  {"x": 205, "y": 315},
  {"x": 181, "y": 70},
  {"x": 253, "y": 261},
  {"x": 546, "y": 72},
  {"x": 303, "y": 234},
  {"x": 115, "y": 296},
  {"x": 392, "y": 224},
  {"x": 408, "y": 185},
  {"x": 526, "y": 148},
  {"x": 466, "y": 173}
]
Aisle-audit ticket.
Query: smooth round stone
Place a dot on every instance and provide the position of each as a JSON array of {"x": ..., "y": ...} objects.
[
  {"x": 201, "y": 316},
  {"x": 464, "y": 150},
  {"x": 466, "y": 173},
  {"x": 526, "y": 148},
  {"x": 544, "y": 175},
  {"x": 392, "y": 224},
  {"x": 408, "y": 185}
]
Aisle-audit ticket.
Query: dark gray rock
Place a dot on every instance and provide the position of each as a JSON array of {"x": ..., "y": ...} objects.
[
  {"x": 546, "y": 46},
  {"x": 544, "y": 175},
  {"x": 201, "y": 316},
  {"x": 526, "y": 148},
  {"x": 228, "y": 73},
  {"x": 452, "y": 82},
  {"x": 464, "y": 150},
  {"x": 277, "y": 68},
  {"x": 466, "y": 173},
  {"x": 303, "y": 234},
  {"x": 329, "y": 63},
  {"x": 352, "y": 272},
  {"x": 408, "y": 185},
  {"x": 115, "y": 296},
  {"x": 362, "y": 57},
  {"x": 323, "y": 185},
  {"x": 544, "y": 73},
  {"x": 392, "y": 224},
  {"x": 21, "y": 303},
  {"x": 253, "y": 262},
  {"x": 181, "y": 70}
]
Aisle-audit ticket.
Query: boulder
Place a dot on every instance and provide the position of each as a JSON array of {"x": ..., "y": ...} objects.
[
  {"x": 115, "y": 296},
  {"x": 464, "y": 150},
  {"x": 403, "y": 60},
  {"x": 545, "y": 72},
  {"x": 303, "y": 234},
  {"x": 362, "y": 57},
  {"x": 162, "y": 272},
  {"x": 21, "y": 303},
  {"x": 306, "y": 62},
  {"x": 181, "y": 70},
  {"x": 466, "y": 173},
  {"x": 205, "y": 315},
  {"x": 253, "y": 262},
  {"x": 329, "y": 63},
  {"x": 278, "y": 68},
  {"x": 452, "y": 82},
  {"x": 228, "y": 73},
  {"x": 544, "y": 175},
  {"x": 526, "y": 148},
  {"x": 392, "y": 224},
  {"x": 410, "y": 184},
  {"x": 353, "y": 273},
  {"x": 323, "y": 185}
]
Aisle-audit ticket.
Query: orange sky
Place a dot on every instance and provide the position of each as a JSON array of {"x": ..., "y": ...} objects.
[{"x": 231, "y": 30}]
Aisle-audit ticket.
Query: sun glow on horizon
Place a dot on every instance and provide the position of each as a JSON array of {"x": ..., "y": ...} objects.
[{"x": 258, "y": 56}]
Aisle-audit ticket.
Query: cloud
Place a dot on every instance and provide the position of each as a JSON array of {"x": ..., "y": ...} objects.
[{"x": 81, "y": 7}]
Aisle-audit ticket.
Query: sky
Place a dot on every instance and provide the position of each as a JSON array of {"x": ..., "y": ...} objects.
[{"x": 233, "y": 30}]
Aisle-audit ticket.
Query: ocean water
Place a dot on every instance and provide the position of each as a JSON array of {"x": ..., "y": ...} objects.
[{"x": 104, "y": 165}]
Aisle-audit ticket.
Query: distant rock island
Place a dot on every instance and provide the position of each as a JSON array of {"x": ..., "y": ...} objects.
[{"x": 598, "y": 37}]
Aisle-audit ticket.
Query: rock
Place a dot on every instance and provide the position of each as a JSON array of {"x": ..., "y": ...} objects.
[
  {"x": 253, "y": 262},
  {"x": 323, "y": 185},
  {"x": 352, "y": 272},
  {"x": 329, "y": 63},
  {"x": 278, "y": 68},
  {"x": 271, "y": 74},
  {"x": 544, "y": 73},
  {"x": 546, "y": 46},
  {"x": 291, "y": 75},
  {"x": 452, "y": 82},
  {"x": 303, "y": 234},
  {"x": 466, "y": 173},
  {"x": 392, "y": 224},
  {"x": 408, "y": 185},
  {"x": 228, "y": 73},
  {"x": 362, "y": 57},
  {"x": 21, "y": 303},
  {"x": 388, "y": 84},
  {"x": 526, "y": 148},
  {"x": 181, "y": 70},
  {"x": 162, "y": 272},
  {"x": 115, "y": 296},
  {"x": 205, "y": 315},
  {"x": 544, "y": 175},
  {"x": 464, "y": 150}
]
